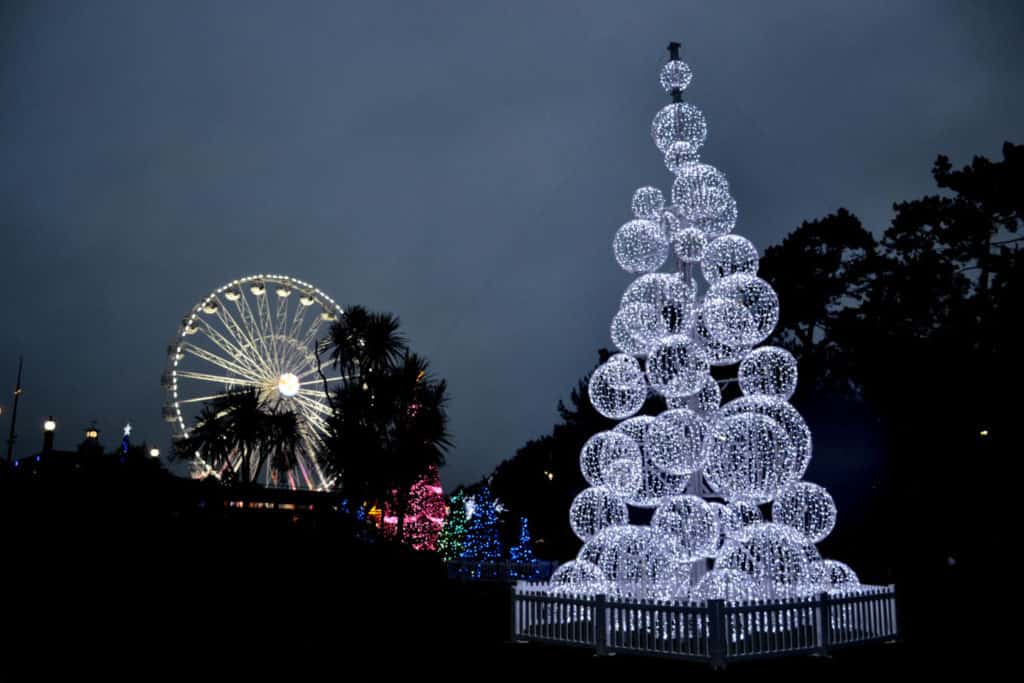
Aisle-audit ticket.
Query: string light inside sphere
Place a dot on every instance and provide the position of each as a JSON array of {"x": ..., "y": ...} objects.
[
  {"x": 749, "y": 516},
  {"x": 728, "y": 255},
  {"x": 675, "y": 441},
  {"x": 705, "y": 402},
  {"x": 725, "y": 584},
  {"x": 769, "y": 371},
  {"x": 806, "y": 507},
  {"x": 754, "y": 294},
  {"x": 655, "y": 483},
  {"x": 641, "y": 246},
  {"x": 689, "y": 243},
  {"x": 679, "y": 122},
  {"x": 594, "y": 509},
  {"x": 723, "y": 221},
  {"x": 579, "y": 577},
  {"x": 700, "y": 191},
  {"x": 623, "y": 555},
  {"x": 612, "y": 459},
  {"x": 772, "y": 558},
  {"x": 838, "y": 577},
  {"x": 729, "y": 322},
  {"x": 677, "y": 366},
  {"x": 719, "y": 354},
  {"x": 689, "y": 524},
  {"x": 636, "y": 327},
  {"x": 671, "y": 293},
  {"x": 749, "y": 457},
  {"x": 787, "y": 417},
  {"x": 648, "y": 202},
  {"x": 617, "y": 388},
  {"x": 675, "y": 75},
  {"x": 678, "y": 155}
]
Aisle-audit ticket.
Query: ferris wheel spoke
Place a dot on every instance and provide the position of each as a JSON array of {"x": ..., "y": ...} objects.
[
  {"x": 220, "y": 361},
  {"x": 225, "y": 379},
  {"x": 320, "y": 381},
  {"x": 311, "y": 404},
  {"x": 281, "y": 329},
  {"x": 256, "y": 334},
  {"x": 266, "y": 324},
  {"x": 202, "y": 399},
  {"x": 236, "y": 352},
  {"x": 247, "y": 334}
]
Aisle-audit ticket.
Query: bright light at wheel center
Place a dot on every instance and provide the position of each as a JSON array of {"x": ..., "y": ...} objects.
[{"x": 288, "y": 384}]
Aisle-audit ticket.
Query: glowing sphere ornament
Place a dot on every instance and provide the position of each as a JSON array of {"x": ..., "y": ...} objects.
[
  {"x": 579, "y": 577},
  {"x": 671, "y": 293},
  {"x": 728, "y": 255},
  {"x": 749, "y": 457},
  {"x": 678, "y": 155},
  {"x": 641, "y": 246},
  {"x": 806, "y": 507},
  {"x": 617, "y": 389},
  {"x": 837, "y": 577},
  {"x": 675, "y": 441},
  {"x": 718, "y": 353},
  {"x": 675, "y": 75},
  {"x": 700, "y": 191},
  {"x": 648, "y": 202},
  {"x": 721, "y": 222},
  {"x": 756, "y": 296},
  {"x": 655, "y": 483},
  {"x": 677, "y": 366},
  {"x": 623, "y": 555},
  {"x": 769, "y": 371},
  {"x": 594, "y": 509},
  {"x": 612, "y": 459},
  {"x": 636, "y": 327},
  {"x": 725, "y": 584},
  {"x": 705, "y": 402},
  {"x": 748, "y": 516},
  {"x": 679, "y": 122},
  {"x": 773, "y": 559},
  {"x": 728, "y": 322},
  {"x": 689, "y": 524},
  {"x": 787, "y": 417},
  {"x": 689, "y": 243}
]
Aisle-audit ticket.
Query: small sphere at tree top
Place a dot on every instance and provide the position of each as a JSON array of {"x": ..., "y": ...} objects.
[
  {"x": 689, "y": 243},
  {"x": 749, "y": 457},
  {"x": 679, "y": 122},
  {"x": 636, "y": 327},
  {"x": 728, "y": 255},
  {"x": 690, "y": 526},
  {"x": 675, "y": 75},
  {"x": 579, "y": 577},
  {"x": 612, "y": 459},
  {"x": 594, "y": 509},
  {"x": 648, "y": 202},
  {"x": 806, "y": 507},
  {"x": 617, "y": 389},
  {"x": 677, "y": 366},
  {"x": 641, "y": 246},
  {"x": 675, "y": 441},
  {"x": 770, "y": 371}
]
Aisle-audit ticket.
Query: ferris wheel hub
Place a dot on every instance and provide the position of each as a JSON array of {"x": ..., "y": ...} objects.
[{"x": 288, "y": 385}]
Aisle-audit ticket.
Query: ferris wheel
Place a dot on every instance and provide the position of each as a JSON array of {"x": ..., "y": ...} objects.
[{"x": 256, "y": 332}]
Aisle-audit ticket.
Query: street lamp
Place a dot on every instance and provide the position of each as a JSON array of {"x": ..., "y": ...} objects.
[
  {"x": 49, "y": 427},
  {"x": 154, "y": 452}
]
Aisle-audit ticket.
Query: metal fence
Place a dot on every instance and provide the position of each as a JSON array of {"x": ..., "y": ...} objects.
[
  {"x": 715, "y": 631},
  {"x": 506, "y": 570}
]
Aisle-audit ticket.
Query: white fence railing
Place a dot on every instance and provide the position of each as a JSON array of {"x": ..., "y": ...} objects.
[{"x": 715, "y": 631}]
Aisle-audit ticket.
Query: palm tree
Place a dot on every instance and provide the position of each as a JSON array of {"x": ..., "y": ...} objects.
[{"x": 240, "y": 430}]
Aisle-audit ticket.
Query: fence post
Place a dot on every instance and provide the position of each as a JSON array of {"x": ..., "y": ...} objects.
[
  {"x": 601, "y": 624},
  {"x": 716, "y": 633},
  {"x": 823, "y": 615}
]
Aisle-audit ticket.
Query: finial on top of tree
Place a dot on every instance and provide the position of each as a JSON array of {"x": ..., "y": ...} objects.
[{"x": 673, "y": 56}]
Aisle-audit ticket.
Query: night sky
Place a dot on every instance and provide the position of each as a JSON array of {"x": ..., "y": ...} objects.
[{"x": 463, "y": 165}]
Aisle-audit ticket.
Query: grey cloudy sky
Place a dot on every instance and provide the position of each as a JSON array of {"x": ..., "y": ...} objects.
[{"x": 464, "y": 165}]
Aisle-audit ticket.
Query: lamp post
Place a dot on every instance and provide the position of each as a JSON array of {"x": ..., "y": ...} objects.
[
  {"x": 154, "y": 452},
  {"x": 49, "y": 427}
]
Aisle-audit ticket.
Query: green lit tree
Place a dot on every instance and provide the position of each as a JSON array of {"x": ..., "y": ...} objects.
[{"x": 453, "y": 533}]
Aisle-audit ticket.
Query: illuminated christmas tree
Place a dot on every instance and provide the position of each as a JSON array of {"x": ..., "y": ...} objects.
[
  {"x": 482, "y": 542},
  {"x": 705, "y": 472},
  {"x": 425, "y": 517},
  {"x": 453, "y": 533},
  {"x": 523, "y": 550}
]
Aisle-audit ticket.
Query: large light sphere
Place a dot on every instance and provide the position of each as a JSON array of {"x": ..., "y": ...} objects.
[
  {"x": 675, "y": 75},
  {"x": 773, "y": 558},
  {"x": 641, "y": 246},
  {"x": 594, "y": 509},
  {"x": 617, "y": 389},
  {"x": 705, "y": 402},
  {"x": 678, "y": 155},
  {"x": 768, "y": 371},
  {"x": 623, "y": 554},
  {"x": 786, "y": 416},
  {"x": 729, "y": 255},
  {"x": 612, "y": 459},
  {"x": 749, "y": 457},
  {"x": 690, "y": 525},
  {"x": 725, "y": 584},
  {"x": 700, "y": 191},
  {"x": 636, "y": 327},
  {"x": 719, "y": 354},
  {"x": 688, "y": 242},
  {"x": 677, "y": 366},
  {"x": 655, "y": 483},
  {"x": 671, "y": 293},
  {"x": 728, "y": 322},
  {"x": 806, "y": 507},
  {"x": 837, "y": 577},
  {"x": 288, "y": 385},
  {"x": 648, "y": 202},
  {"x": 723, "y": 221},
  {"x": 679, "y": 122},
  {"x": 579, "y": 577},
  {"x": 754, "y": 294},
  {"x": 748, "y": 516},
  {"x": 675, "y": 441}
]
